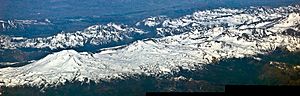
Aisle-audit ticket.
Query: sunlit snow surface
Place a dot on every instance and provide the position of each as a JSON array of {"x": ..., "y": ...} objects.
[{"x": 187, "y": 42}]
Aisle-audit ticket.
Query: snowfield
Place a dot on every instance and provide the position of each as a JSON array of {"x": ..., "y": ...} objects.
[{"x": 188, "y": 42}]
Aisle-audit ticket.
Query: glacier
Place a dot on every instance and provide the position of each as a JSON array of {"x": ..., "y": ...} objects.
[{"x": 188, "y": 42}]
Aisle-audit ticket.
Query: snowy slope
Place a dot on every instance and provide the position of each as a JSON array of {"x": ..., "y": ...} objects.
[
  {"x": 256, "y": 17},
  {"x": 205, "y": 37},
  {"x": 94, "y": 35}
]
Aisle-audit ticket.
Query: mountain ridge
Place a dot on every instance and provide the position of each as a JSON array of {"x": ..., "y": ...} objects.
[{"x": 187, "y": 42}]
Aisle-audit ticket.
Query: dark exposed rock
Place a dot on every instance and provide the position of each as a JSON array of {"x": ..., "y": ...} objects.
[{"x": 291, "y": 32}]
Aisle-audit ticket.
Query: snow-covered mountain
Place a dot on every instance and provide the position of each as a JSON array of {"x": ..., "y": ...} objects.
[
  {"x": 255, "y": 17},
  {"x": 192, "y": 41},
  {"x": 93, "y": 35},
  {"x": 14, "y": 24}
]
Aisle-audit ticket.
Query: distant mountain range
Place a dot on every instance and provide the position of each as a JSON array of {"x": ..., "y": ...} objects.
[
  {"x": 161, "y": 45},
  {"x": 94, "y": 35}
]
